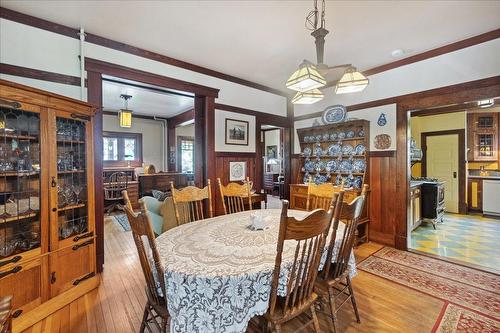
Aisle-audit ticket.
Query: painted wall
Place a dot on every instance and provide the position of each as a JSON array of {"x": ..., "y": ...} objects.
[
  {"x": 472, "y": 63},
  {"x": 371, "y": 114},
  {"x": 220, "y": 130},
  {"x": 152, "y": 141},
  {"x": 442, "y": 122},
  {"x": 57, "y": 53}
]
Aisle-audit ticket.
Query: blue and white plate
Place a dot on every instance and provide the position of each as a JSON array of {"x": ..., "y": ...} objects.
[
  {"x": 360, "y": 149},
  {"x": 334, "y": 150},
  {"x": 306, "y": 138},
  {"x": 358, "y": 166},
  {"x": 318, "y": 138},
  {"x": 306, "y": 178},
  {"x": 334, "y": 114},
  {"x": 350, "y": 134},
  {"x": 347, "y": 149},
  {"x": 333, "y": 136},
  {"x": 361, "y": 133},
  {"x": 358, "y": 182},
  {"x": 307, "y": 151},
  {"x": 338, "y": 180},
  {"x": 348, "y": 182},
  {"x": 319, "y": 165},
  {"x": 345, "y": 166},
  {"x": 309, "y": 166},
  {"x": 341, "y": 135},
  {"x": 326, "y": 137},
  {"x": 318, "y": 151},
  {"x": 332, "y": 164}
]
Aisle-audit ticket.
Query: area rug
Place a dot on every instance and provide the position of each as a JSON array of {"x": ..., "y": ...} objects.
[
  {"x": 457, "y": 319},
  {"x": 123, "y": 221},
  {"x": 427, "y": 276}
]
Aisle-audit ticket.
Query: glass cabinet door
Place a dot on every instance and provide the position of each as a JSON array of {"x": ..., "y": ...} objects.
[
  {"x": 70, "y": 187},
  {"x": 20, "y": 188}
]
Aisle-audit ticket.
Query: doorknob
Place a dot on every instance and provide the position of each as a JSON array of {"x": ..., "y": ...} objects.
[{"x": 454, "y": 174}]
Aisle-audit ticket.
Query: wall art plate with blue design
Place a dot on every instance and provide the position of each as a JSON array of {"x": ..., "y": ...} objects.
[
  {"x": 334, "y": 150},
  {"x": 361, "y": 133},
  {"x": 334, "y": 114},
  {"x": 358, "y": 166},
  {"x": 350, "y": 134},
  {"x": 360, "y": 149},
  {"x": 333, "y": 136},
  {"x": 358, "y": 182},
  {"x": 332, "y": 164},
  {"x": 382, "y": 120},
  {"x": 309, "y": 165},
  {"x": 347, "y": 149},
  {"x": 307, "y": 151}
]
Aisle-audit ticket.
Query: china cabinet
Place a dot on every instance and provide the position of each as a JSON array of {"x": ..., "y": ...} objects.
[
  {"x": 483, "y": 136},
  {"x": 336, "y": 153},
  {"x": 46, "y": 196}
]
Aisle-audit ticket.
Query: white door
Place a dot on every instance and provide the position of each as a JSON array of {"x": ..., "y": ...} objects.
[{"x": 442, "y": 163}]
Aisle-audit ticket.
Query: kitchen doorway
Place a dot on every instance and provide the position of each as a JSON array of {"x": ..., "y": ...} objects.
[{"x": 453, "y": 156}]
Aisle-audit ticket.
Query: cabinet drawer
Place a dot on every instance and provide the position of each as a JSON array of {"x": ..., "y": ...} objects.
[
  {"x": 23, "y": 280},
  {"x": 71, "y": 265}
]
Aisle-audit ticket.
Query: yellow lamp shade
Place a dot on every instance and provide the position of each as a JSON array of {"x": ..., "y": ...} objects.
[
  {"x": 351, "y": 81},
  {"x": 305, "y": 78},
  {"x": 125, "y": 118},
  {"x": 308, "y": 97}
]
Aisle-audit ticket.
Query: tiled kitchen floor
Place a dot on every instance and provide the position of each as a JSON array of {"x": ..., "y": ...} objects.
[{"x": 469, "y": 238}]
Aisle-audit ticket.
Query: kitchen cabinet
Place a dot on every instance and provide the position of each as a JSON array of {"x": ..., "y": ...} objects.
[
  {"x": 482, "y": 136},
  {"x": 475, "y": 194},
  {"x": 46, "y": 197},
  {"x": 415, "y": 207}
]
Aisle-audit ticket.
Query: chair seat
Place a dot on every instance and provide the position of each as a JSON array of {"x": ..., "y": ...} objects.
[
  {"x": 278, "y": 316},
  {"x": 330, "y": 281}
]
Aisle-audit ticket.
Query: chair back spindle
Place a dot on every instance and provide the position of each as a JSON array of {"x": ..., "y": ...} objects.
[
  {"x": 188, "y": 203},
  {"x": 115, "y": 184},
  {"x": 320, "y": 196},
  {"x": 310, "y": 235},
  {"x": 233, "y": 196}
]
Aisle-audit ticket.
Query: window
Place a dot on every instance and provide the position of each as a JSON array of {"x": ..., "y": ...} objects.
[
  {"x": 186, "y": 153},
  {"x": 122, "y": 149}
]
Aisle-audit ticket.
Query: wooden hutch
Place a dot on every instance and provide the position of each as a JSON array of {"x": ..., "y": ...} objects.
[
  {"x": 334, "y": 154},
  {"x": 47, "y": 227}
]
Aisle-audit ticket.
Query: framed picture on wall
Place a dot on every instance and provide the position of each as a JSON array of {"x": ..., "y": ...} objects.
[
  {"x": 236, "y": 132},
  {"x": 272, "y": 152},
  {"x": 237, "y": 171}
]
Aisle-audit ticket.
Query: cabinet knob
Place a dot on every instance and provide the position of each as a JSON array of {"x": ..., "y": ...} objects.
[
  {"x": 53, "y": 183},
  {"x": 52, "y": 277}
]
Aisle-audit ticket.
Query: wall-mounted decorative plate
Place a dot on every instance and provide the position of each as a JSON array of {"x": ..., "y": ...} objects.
[
  {"x": 382, "y": 141},
  {"x": 382, "y": 120},
  {"x": 334, "y": 114}
]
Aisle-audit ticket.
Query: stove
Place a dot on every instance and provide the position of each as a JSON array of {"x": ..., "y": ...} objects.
[
  {"x": 426, "y": 179},
  {"x": 432, "y": 194}
]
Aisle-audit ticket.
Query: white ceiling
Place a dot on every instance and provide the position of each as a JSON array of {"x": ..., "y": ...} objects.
[
  {"x": 264, "y": 41},
  {"x": 144, "y": 101}
]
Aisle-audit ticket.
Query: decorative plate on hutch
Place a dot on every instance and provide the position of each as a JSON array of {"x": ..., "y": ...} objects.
[
  {"x": 334, "y": 150},
  {"x": 307, "y": 151},
  {"x": 350, "y": 134},
  {"x": 358, "y": 165},
  {"x": 309, "y": 166},
  {"x": 332, "y": 164},
  {"x": 347, "y": 149},
  {"x": 334, "y": 114},
  {"x": 360, "y": 149}
]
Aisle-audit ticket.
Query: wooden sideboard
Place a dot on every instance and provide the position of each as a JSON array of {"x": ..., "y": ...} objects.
[
  {"x": 298, "y": 200},
  {"x": 160, "y": 181},
  {"x": 47, "y": 201}
]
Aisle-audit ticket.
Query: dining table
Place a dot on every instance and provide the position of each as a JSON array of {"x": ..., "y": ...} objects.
[{"x": 218, "y": 271}]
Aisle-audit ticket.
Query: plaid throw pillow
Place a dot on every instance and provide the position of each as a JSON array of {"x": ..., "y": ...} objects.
[{"x": 159, "y": 195}]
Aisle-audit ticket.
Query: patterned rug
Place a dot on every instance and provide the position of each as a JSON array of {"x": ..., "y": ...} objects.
[
  {"x": 474, "y": 295},
  {"x": 123, "y": 221},
  {"x": 458, "y": 319}
]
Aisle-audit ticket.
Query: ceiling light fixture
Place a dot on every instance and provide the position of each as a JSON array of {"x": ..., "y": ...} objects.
[
  {"x": 309, "y": 77},
  {"x": 125, "y": 115},
  {"x": 308, "y": 97},
  {"x": 486, "y": 103}
]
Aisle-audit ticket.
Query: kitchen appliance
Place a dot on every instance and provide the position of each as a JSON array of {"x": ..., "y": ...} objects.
[
  {"x": 491, "y": 195},
  {"x": 432, "y": 194}
]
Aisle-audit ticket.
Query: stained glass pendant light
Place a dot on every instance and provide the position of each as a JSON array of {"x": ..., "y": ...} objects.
[
  {"x": 351, "y": 81},
  {"x": 308, "y": 97},
  {"x": 305, "y": 78},
  {"x": 125, "y": 115}
]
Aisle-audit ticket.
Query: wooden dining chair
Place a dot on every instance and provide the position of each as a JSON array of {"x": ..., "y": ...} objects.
[
  {"x": 126, "y": 200},
  {"x": 233, "y": 196},
  {"x": 310, "y": 235},
  {"x": 155, "y": 313},
  {"x": 333, "y": 282},
  {"x": 5, "y": 314},
  {"x": 188, "y": 203},
  {"x": 320, "y": 195},
  {"x": 113, "y": 188}
]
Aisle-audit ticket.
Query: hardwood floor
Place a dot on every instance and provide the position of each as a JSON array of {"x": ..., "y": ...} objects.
[{"x": 117, "y": 305}]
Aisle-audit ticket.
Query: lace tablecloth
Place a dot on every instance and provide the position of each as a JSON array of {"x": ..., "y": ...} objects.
[{"x": 218, "y": 271}]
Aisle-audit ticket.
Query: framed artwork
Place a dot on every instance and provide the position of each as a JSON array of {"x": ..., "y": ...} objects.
[
  {"x": 236, "y": 132},
  {"x": 237, "y": 171},
  {"x": 272, "y": 152}
]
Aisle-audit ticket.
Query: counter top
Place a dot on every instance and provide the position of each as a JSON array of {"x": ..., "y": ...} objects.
[
  {"x": 416, "y": 183},
  {"x": 485, "y": 177}
]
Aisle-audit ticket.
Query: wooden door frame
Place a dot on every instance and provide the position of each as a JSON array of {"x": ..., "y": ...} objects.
[
  {"x": 204, "y": 109},
  {"x": 449, "y": 95},
  {"x": 462, "y": 207}
]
